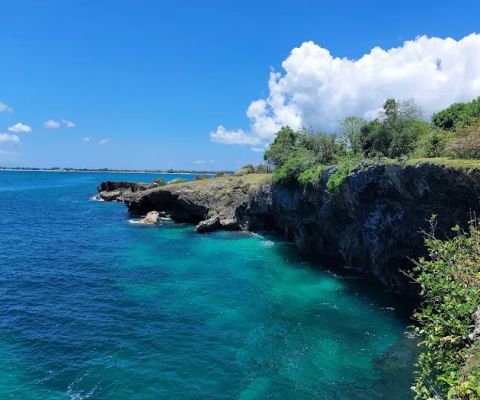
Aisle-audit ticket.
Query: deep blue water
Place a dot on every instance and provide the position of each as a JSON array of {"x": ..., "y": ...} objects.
[{"x": 93, "y": 307}]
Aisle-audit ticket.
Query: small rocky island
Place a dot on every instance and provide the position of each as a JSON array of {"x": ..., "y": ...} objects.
[{"x": 373, "y": 223}]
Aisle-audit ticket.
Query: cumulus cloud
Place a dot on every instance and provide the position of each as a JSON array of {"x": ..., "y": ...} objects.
[
  {"x": 104, "y": 141},
  {"x": 20, "y": 128},
  {"x": 7, "y": 138},
  {"x": 67, "y": 123},
  {"x": 316, "y": 89},
  {"x": 86, "y": 139},
  {"x": 201, "y": 162},
  {"x": 5, "y": 107},
  {"x": 51, "y": 124}
]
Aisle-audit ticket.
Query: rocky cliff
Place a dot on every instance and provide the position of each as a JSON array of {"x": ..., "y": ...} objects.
[{"x": 371, "y": 223}]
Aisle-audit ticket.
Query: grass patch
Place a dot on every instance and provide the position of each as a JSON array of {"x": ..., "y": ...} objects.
[
  {"x": 447, "y": 162},
  {"x": 252, "y": 179}
]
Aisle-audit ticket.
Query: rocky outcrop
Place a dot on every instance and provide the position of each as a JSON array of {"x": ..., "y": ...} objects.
[
  {"x": 152, "y": 218},
  {"x": 372, "y": 223},
  {"x": 475, "y": 335},
  {"x": 119, "y": 191}
]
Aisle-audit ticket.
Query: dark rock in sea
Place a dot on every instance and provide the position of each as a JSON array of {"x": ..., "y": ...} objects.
[
  {"x": 119, "y": 191},
  {"x": 373, "y": 223}
]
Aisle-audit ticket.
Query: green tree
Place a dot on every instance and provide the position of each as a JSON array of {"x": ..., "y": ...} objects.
[
  {"x": 457, "y": 115},
  {"x": 282, "y": 147},
  {"x": 396, "y": 134},
  {"x": 350, "y": 131}
]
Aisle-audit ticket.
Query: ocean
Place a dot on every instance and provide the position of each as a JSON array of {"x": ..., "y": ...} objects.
[{"x": 95, "y": 307}]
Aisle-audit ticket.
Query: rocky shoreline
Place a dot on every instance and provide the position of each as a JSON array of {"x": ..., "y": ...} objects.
[{"x": 373, "y": 223}]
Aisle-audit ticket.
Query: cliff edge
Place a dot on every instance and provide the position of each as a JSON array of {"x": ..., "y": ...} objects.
[{"x": 373, "y": 222}]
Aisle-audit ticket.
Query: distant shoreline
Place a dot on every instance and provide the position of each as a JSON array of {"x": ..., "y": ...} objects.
[{"x": 113, "y": 171}]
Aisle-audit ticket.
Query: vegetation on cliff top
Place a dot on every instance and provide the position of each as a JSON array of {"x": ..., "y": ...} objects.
[
  {"x": 449, "y": 365},
  {"x": 397, "y": 134}
]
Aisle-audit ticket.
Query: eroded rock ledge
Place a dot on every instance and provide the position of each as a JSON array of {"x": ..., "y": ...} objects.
[{"x": 373, "y": 223}]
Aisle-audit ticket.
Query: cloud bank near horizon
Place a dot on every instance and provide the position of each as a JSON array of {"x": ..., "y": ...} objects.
[{"x": 316, "y": 90}]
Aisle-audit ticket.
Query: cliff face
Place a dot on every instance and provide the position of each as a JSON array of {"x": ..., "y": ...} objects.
[{"x": 372, "y": 223}]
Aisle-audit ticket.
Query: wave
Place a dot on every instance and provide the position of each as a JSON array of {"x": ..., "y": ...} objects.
[{"x": 96, "y": 198}]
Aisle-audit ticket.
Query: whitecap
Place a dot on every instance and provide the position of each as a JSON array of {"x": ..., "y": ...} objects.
[{"x": 96, "y": 198}]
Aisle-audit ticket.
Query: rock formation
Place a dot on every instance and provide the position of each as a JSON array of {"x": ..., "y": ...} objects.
[{"x": 373, "y": 223}]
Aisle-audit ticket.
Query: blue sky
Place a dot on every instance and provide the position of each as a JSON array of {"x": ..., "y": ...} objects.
[{"x": 153, "y": 79}]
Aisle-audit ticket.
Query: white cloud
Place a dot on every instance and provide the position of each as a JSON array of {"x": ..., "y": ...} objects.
[
  {"x": 316, "y": 90},
  {"x": 20, "y": 128},
  {"x": 7, "y": 138},
  {"x": 86, "y": 139},
  {"x": 104, "y": 141},
  {"x": 5, "y": 107},
  {"x": 67, "y": 123},
  {"x": 51, "y": 124},
  {"x": 221, "y": 135}
]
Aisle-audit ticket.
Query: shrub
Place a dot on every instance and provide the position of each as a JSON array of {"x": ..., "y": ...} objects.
[
  {"x": 433, "y": 144},
  {"x": 178, "y": 180},
  {"x": 159, "y": 181},
  {"x": 467, "y": 143},
  {"x": 311, "y": 176},
  {"x": 245, "y": 170},
  {"x": 449, "y": 366},
  {"x": 262, "y": 168},
  {"x": 300, "y": 160},
  {"x": 457, "y": 115},
  {"x": 337, "y": 179}
]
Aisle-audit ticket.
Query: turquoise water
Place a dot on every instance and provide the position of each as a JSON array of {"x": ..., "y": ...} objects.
[{"x": 93, "y": 307}]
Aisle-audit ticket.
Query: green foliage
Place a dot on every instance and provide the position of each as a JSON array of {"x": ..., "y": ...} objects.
[
  {"x": 311, "y": 176},
  {"x": 160, "y": 181},
  {"x": 245, "y": 170},
  {"x": 350, "y": 130},
  {"x": 433, "y": 144},
  {"x": 449, "y": 366},
  {"x": 178, "y": 180},
  {"x": 300, "y": 160},
  {"x": 305, "y": 152},
  {"x": 467, "y": 143},
  {"x": 325, "y": 148},
  {"x": 282, "y": 147},
  {"x": 458, "y": 115},
  {"x": 337, "y": 179},
  {"x": 262, "y": 168},
  {"x": 394, "y": 136}
]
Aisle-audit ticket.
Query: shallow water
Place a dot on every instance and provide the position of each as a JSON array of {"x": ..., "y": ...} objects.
[{"x": 93, "y": 307}]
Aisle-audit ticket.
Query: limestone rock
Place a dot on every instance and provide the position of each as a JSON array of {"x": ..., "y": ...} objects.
[{"x": 152, "y": 218}]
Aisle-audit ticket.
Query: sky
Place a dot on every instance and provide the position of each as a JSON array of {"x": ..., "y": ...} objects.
[{"x": 205, "y": 84}]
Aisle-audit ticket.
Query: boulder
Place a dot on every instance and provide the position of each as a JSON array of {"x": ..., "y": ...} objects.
[{"x": 152, "y": 218}]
